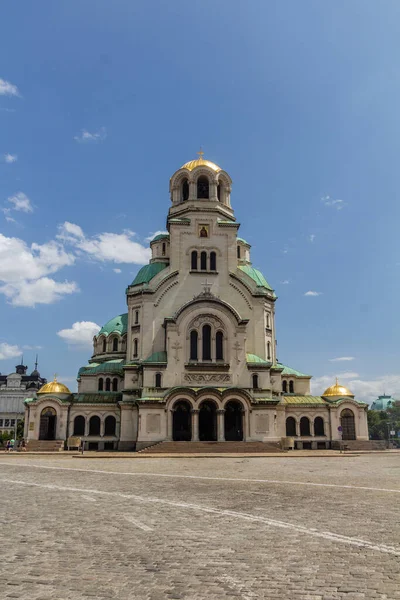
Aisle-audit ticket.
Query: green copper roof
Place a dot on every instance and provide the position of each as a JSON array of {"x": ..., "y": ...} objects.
[
  {"x": 303, "y": 400},
  {"x": 289, "y": 371},
  {"x": 256, "y": 275},
  {"x": 253, "y": 358},
  {"x": 147, "y": 273},
  {"x": 243, "y": 241},
  {"x": 98, "y": 397},
  {"x": 160, "y": 236},
  {"x": 118, "y": 324},
  {"x": 109, "y": 366},
  {"x": 383, "y": 403},
  {"x": 157, "y": 357}
]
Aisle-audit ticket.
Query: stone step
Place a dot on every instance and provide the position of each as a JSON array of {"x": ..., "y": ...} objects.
[
  {"x": 361, "y": 444},
  {"x": 45, "y": 445},
  {"x": 212, "y": 447}
]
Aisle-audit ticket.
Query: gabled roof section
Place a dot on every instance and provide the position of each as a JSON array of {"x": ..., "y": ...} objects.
[
  {"x": 109, "y": 366},
  {"x": 256, "y": 276},
  {"x": 157, "y": 357},
  {"x": 256, "y": 360},
  {"x": 289, "y": 371},
  {"x": 146, "y": 273}
]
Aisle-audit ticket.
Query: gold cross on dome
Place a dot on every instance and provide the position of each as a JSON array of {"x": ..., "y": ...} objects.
[{"x": 200, "y": 153}]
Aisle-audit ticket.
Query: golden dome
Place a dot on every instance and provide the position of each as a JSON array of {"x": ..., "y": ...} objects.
[
  {"x": 201, "y": 162},
  {"x": 337, "y": 390},
  {"x": 54, "y": 387}
]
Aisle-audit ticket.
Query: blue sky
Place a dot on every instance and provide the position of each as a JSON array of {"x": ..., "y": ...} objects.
[{"x": 100, "y": 102}]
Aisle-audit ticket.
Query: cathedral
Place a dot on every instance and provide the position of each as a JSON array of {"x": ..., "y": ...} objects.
[{"x": 194, "y": 357}]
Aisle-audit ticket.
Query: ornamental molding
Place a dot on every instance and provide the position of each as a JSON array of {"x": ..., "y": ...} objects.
[
  {"x": 207, "y": 378},
  {"x": 208, "y": 319},
  {"x": 165, "y": 292},
  {"x": 241, "y": 292}
]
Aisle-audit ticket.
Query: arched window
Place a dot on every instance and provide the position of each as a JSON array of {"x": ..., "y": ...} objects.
[
  {"x": 213, "y": 261},
  {"x": 94, "y": 425},
  {"x": 115, "y": 385},
  {"x": 203, "y": 187},
  {"x": 291, "y": 387},
  {"x": 305, "y": 426},
  {"x": 348, "y": 425},
  {"x": 135, "y": 348},
  {"x": 193, "y": 265},
  {"x": 268, "y": 321},
  {"x": 185, "y": 190},
  {"x": 108, "y": 384},
  {"x": 158, "y": 380},
  {"x": 219, "y": 346},
  {"x": 104, "y": 345},
  {"x": 79, "y": 425},
  {"x": 206, "y": 334},
  {"x": 319, "y": 426},
  {"x": 115, "y": 344},
  {"x": 268, "y": 351},
  {"x": 219, "y": 191},
  {"x": 203, "y": 261},
  {"x": 101, "y": 384},
  {"x": 194, "y": 336},
  {"x": 163, "y": 249},
  {"x": 238, "y": 251},
  {"x": 136, "y": 317},
  {"x": 284, "y": 387},
  {"x": 255, "y": 381},
  {"x": 110, "y": 425},
  {"x": 291, "y": 426}
]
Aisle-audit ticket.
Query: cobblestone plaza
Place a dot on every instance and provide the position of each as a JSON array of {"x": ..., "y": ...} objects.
[{"x": 309, "y": 528}]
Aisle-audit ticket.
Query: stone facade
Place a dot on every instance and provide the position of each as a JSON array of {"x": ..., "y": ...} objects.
[{"x": 195, "y": 355}]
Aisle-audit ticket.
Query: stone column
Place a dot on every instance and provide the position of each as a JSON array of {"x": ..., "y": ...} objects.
[
  {"x": 221, "y": 425},
  {"x": 170, "y": 416},
  {"x": 312, "y": 427},
  {"x": 297, "y": 428},
  {"x": 195, "y": 425},
  {"x": 192, "y": 190},
  {"x": 213, "y": 191}
]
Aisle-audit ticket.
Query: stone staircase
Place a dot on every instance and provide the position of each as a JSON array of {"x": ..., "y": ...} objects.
[
  {"x": 212, "y": 448},
  {"x": 45, "y": 445},
  {"x": 361, "y": 445}
]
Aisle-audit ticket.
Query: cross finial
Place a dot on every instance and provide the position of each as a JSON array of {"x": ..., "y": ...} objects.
[
  {"x": 207, "y": 286},
  {"x": 36, "y": 362},
  {"x": 200, "y": 153},
  {"x": 55, "y": 378},
  {"x": 337, "y": 383}
]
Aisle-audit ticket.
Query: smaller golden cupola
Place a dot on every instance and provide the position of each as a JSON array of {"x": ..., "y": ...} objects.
[
  {"x": 54, "y": 387},
  {"x": 337, "y": 390}
]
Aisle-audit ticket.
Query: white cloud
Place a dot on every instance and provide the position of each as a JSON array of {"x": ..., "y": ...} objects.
[
  {"x": 328, "y": 201},
  {"x": 342, "y": 358},
  {"x": 285, "y": 282},
  {"x": 312, "y": 293},
  {"x": 115, "y": 247},
  {"x": 21, "y": 202},
  {"x": 117, "y": 270},
  {"x": 8, "y": 89},
  {"x": 42, "y": 291},
  {"x": 10, "y": 158},
  {"x": 311, "y": 237},
  {"x": 8, "y": 351},
  {"x": 365, "y": 390},
  {"x": 24, "y": 270},
  {"x": 153, "y": 235},
  {"x": 85, "y": 136},
  {"x": 80, "y": 334}
]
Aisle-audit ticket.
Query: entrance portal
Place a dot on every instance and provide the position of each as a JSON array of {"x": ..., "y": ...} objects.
[
  {"x": 348, "y": 425},
  {"x": 182, "y": 422},
  {"x": 234, "y": 421},
  {"x": 208, "y": 422},
  {"x": 48, "y": 422}
]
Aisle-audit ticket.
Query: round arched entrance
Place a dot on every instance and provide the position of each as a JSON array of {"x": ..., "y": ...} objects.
[
  {"x": 208, "y": 421},
  {"x": 233, "y": 421},
  {"x": 182, "y": 422},
  {"x": 48, "y": 423},
  {"x": 348, "y": 424}
]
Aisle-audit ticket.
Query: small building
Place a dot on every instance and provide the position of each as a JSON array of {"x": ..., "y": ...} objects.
[{"x": 13, "y": 390}]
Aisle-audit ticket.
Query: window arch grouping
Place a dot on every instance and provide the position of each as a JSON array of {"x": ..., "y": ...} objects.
[
  {"x": 203, "y": 261},
  {"x": 211, "y": 346},
  {"x": 203, "y": 187}
]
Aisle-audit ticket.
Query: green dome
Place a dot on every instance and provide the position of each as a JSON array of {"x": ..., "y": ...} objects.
[
  {"x": 256, "y": 276},
  {"x": 147, "y": 273},
  {"x": 118, "y": 324},
  {"x": 160, "y": 236},
  {"x": 243, "y": 241}
]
